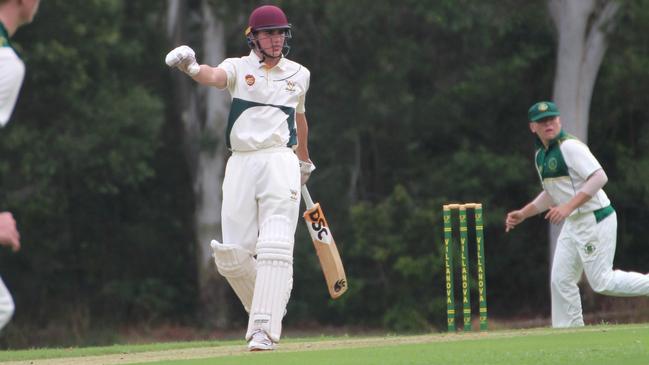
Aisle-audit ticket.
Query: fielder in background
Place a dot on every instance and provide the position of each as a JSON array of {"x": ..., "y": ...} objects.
[
  {"x": 267, "y": 128},
  {"x": 13, "y": 14},
  {"x": 572, "y": 182}
]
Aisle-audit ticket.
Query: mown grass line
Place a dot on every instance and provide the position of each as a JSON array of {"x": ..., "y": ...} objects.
[
  {"x": 605, "y": 345},
  {"x": 53, "y": 353},
  {"x": 126, "y": 349},
  {"x": 627, "y": 344}
]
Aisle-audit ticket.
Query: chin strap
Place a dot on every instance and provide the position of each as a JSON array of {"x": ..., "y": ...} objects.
[
  {"x": 252, "y": 42},
  {"x": 264, "y": 55}
]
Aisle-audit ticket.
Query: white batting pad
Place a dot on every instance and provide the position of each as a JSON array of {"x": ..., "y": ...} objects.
[
  {"x": 238, "y": 267},
  {"x": 274, "y": 277}
]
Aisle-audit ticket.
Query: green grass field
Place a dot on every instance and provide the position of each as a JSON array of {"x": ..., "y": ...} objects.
[{"x": 592, "y": 345}]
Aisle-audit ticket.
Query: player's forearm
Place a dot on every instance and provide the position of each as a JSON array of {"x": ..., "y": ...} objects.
[
  {"x": 542, "y": 202},
  {"x": 529, "y": 210},
  {"x": 302, "y": 153},
  {"x": 302, "y": 150},
  {"x": 594, "y": 183},
  {"x": 211, "y": 76}
]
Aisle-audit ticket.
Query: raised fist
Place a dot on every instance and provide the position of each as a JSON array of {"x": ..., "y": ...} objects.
[{"x": 184, "y": 58}]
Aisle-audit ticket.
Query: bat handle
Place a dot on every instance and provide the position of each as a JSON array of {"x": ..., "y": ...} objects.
[{"x": 307, "y": 197}]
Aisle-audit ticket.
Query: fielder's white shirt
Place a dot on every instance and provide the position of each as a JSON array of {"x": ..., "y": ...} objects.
[
  {"x": 264, "y": 102},
  {"x": 564, "y": 168},
  {"x": 12, "y": 71}
]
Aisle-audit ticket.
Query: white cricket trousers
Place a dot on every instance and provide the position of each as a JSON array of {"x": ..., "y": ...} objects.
[
  {"x": 587, "y": 246},
  {"x": 6, "y": 305},
  {"x": 256, "y": 186},
  {"x": 261, "y": 201}
]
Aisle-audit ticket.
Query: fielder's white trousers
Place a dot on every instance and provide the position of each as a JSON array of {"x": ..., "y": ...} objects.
[
  {"x": 587, "y": 246},
  {"x": 6, "y": 305},
  {"x": 256, "y": 186}
]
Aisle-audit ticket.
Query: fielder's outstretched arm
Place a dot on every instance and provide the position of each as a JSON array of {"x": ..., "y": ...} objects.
[{"x": 541, "y": 203}]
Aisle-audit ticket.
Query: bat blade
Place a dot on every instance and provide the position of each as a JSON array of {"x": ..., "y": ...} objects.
[{"x": 325, "y": 246}]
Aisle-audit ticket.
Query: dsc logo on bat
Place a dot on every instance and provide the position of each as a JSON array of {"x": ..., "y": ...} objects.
[{"x": 318, "y": 227}]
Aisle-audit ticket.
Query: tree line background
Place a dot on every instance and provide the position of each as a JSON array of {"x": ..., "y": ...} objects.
[{"x": 412, "y": 104}]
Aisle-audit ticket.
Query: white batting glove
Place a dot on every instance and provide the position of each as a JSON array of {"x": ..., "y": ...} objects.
[
  {"x": 306, "y": 168},
  {"x": 184, "y": 58}
]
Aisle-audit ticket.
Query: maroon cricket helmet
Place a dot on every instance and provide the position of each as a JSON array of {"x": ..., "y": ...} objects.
[{"x": 267, "y": 17}]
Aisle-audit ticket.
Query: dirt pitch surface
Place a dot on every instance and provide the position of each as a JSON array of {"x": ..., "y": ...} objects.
[{"x": 240, "y": 350}]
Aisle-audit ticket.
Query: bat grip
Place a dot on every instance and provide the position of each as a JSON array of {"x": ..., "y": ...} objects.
[{"x": 307, "y": 197}]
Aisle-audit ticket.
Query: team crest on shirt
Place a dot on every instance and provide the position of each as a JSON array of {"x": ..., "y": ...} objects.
[
  {"x": 290, "y": 86},
  {"x": 293, "y": 195},
  {"x": 250, "y": 80},
  {"x": 552, "y": 164}
]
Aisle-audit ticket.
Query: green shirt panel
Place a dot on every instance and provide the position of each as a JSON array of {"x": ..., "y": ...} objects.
[
  {"x": 239, "y": 106},
  {"x": 550, "y": 162}
]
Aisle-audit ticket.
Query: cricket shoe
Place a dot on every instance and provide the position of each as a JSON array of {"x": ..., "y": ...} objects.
[{"x": 260, "y": 342}]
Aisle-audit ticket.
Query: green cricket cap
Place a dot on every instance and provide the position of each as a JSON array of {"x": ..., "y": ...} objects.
[{"x": 542, "y": 109}]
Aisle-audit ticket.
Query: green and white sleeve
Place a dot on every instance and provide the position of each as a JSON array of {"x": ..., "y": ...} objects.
[{"x": 12, "y": 71}]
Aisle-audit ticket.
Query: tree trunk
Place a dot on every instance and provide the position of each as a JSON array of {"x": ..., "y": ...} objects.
[
  {"x": 582, "y": 27},
  {"x": 203, "y": 114},
  {"x": 355, "y": 170}
]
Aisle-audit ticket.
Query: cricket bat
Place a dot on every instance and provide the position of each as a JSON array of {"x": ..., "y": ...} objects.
[{"x": 325, "y": 246}]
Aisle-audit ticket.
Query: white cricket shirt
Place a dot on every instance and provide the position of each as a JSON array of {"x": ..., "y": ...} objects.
[
  {"x": 12, "y": 71},
  {"x": 264, "y": 102},
  {"x": 564, "y": 167}
]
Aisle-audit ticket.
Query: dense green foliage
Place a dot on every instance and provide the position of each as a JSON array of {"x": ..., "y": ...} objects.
[
  {"x": 411, "y": 105},
  {"x": 92, "y": 175}
]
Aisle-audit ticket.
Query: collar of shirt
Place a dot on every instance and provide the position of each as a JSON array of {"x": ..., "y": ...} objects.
[
  {"x": 254, "y": 59},
  {"x": 554, "y": 140},
  {"x": 4, "y": 36}
]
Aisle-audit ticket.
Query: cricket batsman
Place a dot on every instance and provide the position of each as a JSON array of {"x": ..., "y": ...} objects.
[
  {"x": 572, "y": 181},
  {"x": 13, "y": 14},
  {"x": 267, "y": 133}
]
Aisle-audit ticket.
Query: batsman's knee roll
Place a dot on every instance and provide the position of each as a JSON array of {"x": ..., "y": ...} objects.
[{"x": 238, "y": 266}]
